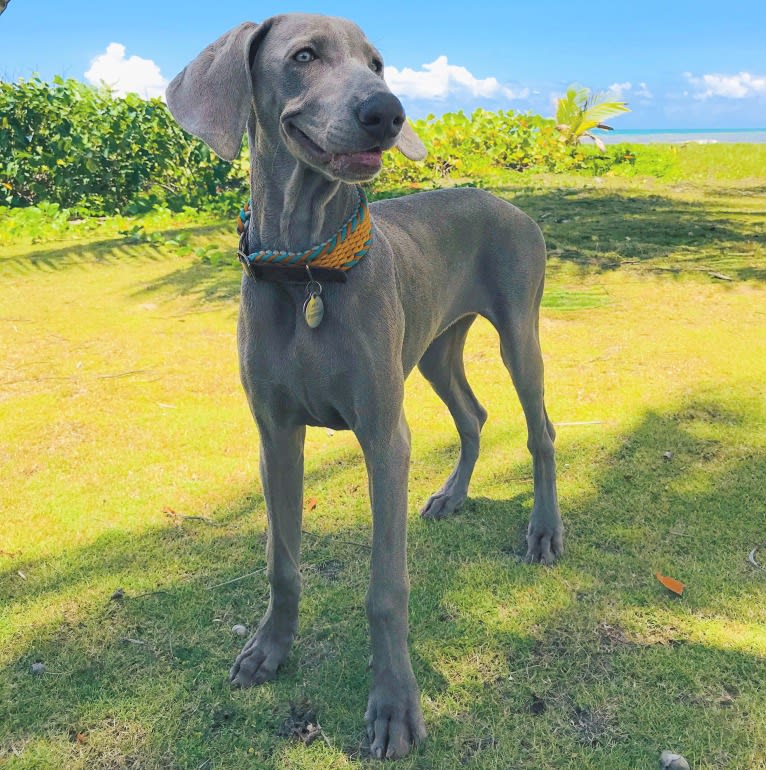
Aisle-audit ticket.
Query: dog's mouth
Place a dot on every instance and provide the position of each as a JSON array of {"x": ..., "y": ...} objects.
[{"x": 357, "y": 165}]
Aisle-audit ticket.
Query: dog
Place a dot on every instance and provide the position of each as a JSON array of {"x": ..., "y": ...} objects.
[{"x": 331, "y": 343}]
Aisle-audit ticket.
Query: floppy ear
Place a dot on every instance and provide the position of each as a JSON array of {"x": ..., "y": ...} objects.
[
  {"x": 213, "y": 95},
  {"x": 409, "y": 143}
]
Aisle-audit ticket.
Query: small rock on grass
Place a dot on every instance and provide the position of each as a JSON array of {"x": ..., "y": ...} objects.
[
  {"x": 673, "y": 761},
  {"x": 38, "y": 668},
  {"x": 239, "y": 630}
]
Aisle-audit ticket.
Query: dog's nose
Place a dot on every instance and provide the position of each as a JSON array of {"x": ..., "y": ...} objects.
[{"x": 382, "y": 116}]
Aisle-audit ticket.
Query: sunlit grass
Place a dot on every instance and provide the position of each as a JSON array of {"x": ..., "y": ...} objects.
[{"x": 122, "y": 416}]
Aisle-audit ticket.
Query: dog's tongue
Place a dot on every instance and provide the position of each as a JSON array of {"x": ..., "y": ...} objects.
[{"x": 367, "y": 158}]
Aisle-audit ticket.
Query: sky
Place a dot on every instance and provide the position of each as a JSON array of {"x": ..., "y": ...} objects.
[{"x": 677, "y": 64}]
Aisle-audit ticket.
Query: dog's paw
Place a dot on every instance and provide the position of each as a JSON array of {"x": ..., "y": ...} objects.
[
  {"x": 448, "y": 500},
  {"x": 258, "y": 662},
  {"x": 394, "y": 722},
  {"x": 545, "y": 544},
  {"x": 442, "y": 504}
]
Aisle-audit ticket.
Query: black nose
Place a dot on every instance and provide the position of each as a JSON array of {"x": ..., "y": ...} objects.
[{"x": 382, "y": 116}]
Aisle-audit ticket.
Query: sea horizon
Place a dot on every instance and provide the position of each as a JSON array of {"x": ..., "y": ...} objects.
[{"x": 682, "y": 135}]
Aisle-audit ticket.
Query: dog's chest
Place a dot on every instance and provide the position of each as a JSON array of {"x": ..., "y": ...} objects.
[{"x": 303, "y": 374}]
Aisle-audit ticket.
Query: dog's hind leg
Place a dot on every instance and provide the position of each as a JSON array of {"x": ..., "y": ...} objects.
[
  {"x": 281, "y": 464},
  {"x": 442, "y": 365},
  {"x": 520, "y": 349}
]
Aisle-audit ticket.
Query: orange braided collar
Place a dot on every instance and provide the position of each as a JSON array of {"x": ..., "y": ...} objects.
[{"x": 340, "y": 252}]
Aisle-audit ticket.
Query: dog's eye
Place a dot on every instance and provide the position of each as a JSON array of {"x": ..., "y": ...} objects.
[
  {"x": 376, "y": 65},
  {"x": 304, "y": 56}
]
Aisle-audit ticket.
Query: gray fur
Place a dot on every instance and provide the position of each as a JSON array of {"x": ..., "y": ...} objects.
[{"x": 437, "y": 261}]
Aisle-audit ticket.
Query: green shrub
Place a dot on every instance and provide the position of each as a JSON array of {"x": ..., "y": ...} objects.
[
  {"x": 479, "y": 146},
  {"x": 92, "y": 153},
  {"x": 86, "y": 150}
]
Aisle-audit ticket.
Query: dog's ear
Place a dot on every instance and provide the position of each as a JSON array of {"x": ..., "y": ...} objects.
[
  {"x": 409, "y": 143},
  {"x": 213, "y": 95}
]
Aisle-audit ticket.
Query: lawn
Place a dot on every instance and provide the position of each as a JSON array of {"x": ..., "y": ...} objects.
[{"x": 133, "y": 526}]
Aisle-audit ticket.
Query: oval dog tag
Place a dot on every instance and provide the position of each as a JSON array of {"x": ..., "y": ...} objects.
[{"x": 313, "y": 310}]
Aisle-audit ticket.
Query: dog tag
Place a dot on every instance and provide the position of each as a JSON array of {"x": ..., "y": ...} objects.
[{"x": 313, "y": 310}]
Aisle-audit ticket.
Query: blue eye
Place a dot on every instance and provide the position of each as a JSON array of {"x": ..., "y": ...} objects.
[{"x": 304, "y": 56}]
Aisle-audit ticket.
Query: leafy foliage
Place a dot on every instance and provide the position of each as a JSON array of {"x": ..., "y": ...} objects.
[
  {"x": 82, "y": 148},
  {"x": 580, "y": 110},
  {"x": 88, "y": 152},
  {"x": 481, "y": 145}
]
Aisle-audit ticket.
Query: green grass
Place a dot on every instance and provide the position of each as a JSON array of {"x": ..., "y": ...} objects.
[{"x": 122, "y": 414}]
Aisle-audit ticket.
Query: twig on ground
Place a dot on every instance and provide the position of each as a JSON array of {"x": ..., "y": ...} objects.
[
  {"x": 683, "y": 268},
  {"x": 237, "y": 579},
  {"x": 123, "y": 374},
  {"x": 203, "y": 519},
  {"x": 168, "y": 511}
]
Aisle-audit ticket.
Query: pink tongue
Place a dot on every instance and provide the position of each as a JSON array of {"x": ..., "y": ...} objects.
[{"x": 370, "y": 158}]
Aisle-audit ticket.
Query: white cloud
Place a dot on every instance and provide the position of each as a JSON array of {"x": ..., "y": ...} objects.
[
  {"x": 131, "y": 75},
  {"x": 739, "y": 86},
  {"x": 618, "y": 90},
  {"x": 644, "y": 92},
  {"x": 440, "y": 79}
]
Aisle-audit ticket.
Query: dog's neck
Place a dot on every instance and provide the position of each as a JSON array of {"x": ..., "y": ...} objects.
[{"x": 293, "y": 206}]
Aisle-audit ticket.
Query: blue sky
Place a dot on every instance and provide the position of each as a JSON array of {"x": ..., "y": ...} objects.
[{"x": 677, "y": 64}]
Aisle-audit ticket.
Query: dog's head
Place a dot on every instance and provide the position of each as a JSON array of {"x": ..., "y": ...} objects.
[{"x": 313, "y": 83}]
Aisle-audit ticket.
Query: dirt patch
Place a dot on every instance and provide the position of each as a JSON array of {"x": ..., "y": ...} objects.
[
  {"x": 301, "y": 725},
  {"x": 593, "y": 726}
]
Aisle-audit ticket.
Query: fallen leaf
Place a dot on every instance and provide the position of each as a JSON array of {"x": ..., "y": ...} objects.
[
  {"x": 81, "y": 738},
  {"x": 311, "y": 504},
  {"x": 168, "y": 511},
  {"x": 676, "y": 586}
]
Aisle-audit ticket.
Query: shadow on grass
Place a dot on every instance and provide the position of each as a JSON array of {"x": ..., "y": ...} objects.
[
  {"x": 200, "y": 281},
  {"x": 580, "y": 660},
  {"x": 106, "y": 252},
  {"x": 595, "y": 230},
  {"x": 602, "y": 230}
]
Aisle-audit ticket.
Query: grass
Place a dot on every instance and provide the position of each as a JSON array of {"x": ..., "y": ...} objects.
[{"x": 128, "y": 461}]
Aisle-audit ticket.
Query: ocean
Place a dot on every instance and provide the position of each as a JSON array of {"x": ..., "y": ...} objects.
[{"x": 682, "y": 135}]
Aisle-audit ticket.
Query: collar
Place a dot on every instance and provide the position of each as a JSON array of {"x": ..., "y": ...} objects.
[{"x": 329, "y": 259}]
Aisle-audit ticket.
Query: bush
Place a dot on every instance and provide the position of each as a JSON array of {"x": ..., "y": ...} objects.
[
  {"x": 91, "y": 153},
  {"x": 84, "y": 149},
  {"x": 478, "y": 147}
]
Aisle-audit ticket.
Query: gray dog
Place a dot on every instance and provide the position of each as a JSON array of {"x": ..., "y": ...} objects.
[{"x": 332, "y": 346}]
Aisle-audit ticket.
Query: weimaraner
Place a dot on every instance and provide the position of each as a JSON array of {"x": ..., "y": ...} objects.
[{"x": 309, "y": 91}]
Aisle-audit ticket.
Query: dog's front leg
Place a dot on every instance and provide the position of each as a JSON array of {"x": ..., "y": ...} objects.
[
  {"x": 394, "y": 718},
  {"x": 281, "y": 465}
]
